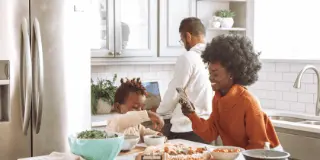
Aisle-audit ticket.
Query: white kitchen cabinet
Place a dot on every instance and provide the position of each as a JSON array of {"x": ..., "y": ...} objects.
[
  {"x": 123, "y": 28},
  {"x": 171, "y": 14},
  {"x": 243, "y": 20}
]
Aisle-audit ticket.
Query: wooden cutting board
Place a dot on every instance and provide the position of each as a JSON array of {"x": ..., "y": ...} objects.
[{"x": 137, "y": 149}]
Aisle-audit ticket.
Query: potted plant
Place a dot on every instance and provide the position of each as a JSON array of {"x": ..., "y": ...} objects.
[
  {"x": 102, "y": 95},
  {"x": 226, "y": 18},
  {"x": 215, "y": 22}
]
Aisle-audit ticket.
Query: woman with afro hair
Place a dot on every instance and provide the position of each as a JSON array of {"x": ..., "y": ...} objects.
[{"x": 236, "y": 114}]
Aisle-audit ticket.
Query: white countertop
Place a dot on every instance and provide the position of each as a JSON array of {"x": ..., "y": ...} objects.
[
  {"x": 294, "y": 125},
  {"x": 100, "y": 120}
]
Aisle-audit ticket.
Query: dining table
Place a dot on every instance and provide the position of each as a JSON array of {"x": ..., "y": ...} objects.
[{"x": 131, "y": 155}]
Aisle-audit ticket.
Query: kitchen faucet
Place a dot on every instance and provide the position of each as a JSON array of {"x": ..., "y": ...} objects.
[{"x": 297, "y": 84}]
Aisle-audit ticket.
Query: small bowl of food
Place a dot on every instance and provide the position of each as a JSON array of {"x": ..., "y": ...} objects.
[
  {"x": 263, "y": 154},
  {"x": 226, "y": 152},
  {"x": 154, "y": 140},
  {"x": 130, "y": 141}
]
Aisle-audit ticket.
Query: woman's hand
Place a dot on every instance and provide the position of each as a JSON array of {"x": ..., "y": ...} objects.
[
  {"x": 157, "y": 121},
  {"x": 186, "y": 107}
]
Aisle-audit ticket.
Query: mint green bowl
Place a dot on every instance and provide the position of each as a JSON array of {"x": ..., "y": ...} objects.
[{"x": 96, "y": 149}]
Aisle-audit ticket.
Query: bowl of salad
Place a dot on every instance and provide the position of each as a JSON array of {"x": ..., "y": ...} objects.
[{"x": 96, "y": 144}]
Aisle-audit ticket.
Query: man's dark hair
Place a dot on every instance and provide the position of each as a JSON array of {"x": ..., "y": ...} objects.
[
  {"x": 236, "y": 54},
  {"x": 193, "y": 25},
  {"x": 126, "y": 87}
]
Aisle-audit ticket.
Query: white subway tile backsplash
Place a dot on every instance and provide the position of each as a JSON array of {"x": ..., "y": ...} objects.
[
  {"x": 298, "y": 107},
  {"x": 310, "y": 108},
  {"x": 142, "y": 68},
  {"x": 267, "y": 103},
  {"x": 149, "y": 75},
  {"x": 264, "y": 85},
  {"x": 262, "y": 76},
  {"x": 268, "y": 67},
  {"x": 98, "y": 69},
  {"x": 289, "y": 77},
  {"x": 311, "y": 88},
  {"x": 134, "y": 75},
  {"x": 168, "y": 67},
  {"x": 129, "y": 68},
  {"x": 283, "y": 105},
  {"x": 274, "y": 87},
  {"x": 307, "y": 78},
  {"x": 305, "y": 97},
  {"x": 282, "y": 67},
  {"x": 156, "y": 68},
  {"x": 274, "y": 76},
  {"x": 296, "y": 68},
  {"x": 283, "y": 86},
  {"x": 290, "y": 96}
]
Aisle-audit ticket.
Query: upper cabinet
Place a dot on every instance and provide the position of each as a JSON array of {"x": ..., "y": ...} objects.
[
  {"x": 171, "y": 14},
  {"x": 148, "y": 30},
  {"x": 123, "y": 28},
  {"x": 216, "y": 16}
]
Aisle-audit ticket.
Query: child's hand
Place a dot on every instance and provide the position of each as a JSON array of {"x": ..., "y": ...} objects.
[
  {"x": 160, "y": 134},
  {"x": 157, "y": 121}
]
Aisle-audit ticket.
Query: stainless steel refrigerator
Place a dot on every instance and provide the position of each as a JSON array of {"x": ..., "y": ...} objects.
[{"x": 44, "y": 76}]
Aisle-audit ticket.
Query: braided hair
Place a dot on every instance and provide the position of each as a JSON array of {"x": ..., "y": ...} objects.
[{"x": 129, "y": 86}]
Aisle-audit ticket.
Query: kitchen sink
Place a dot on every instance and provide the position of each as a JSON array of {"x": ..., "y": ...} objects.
[
  {"x": 310, "y": 122},
  {"x": 285, "y": 118}
]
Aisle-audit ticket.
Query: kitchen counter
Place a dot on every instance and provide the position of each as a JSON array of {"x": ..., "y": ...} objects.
[
  {"x": 294, "y": 125},
  {"x": 100, "y": 120}
]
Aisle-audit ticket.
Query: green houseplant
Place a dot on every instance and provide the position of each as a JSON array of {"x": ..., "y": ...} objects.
[
  {"x": 226, "y": 18},
  {"x": 102, "y": 95}
]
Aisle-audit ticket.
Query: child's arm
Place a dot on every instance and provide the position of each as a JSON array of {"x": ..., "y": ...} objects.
[
  {"x": 147, "y": 131},
  {"x": 124, "y": 121}
]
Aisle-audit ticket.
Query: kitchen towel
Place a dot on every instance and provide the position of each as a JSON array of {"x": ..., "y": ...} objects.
[{"x": 64, "y": 156}]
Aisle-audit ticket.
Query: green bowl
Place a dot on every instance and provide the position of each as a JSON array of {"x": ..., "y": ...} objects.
[{"x": 96, "y": 149}]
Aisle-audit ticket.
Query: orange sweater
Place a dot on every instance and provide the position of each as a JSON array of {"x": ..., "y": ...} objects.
[{"x": 238, "y": 119}]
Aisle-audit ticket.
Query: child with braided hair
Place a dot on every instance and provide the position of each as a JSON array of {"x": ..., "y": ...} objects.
[{"x": 129, "y": 102}]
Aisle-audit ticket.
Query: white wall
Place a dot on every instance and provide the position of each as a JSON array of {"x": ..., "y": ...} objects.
[{"x": 274, "y": 87}]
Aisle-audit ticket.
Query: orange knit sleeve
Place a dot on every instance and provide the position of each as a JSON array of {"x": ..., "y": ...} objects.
[
  {"x": 255, "y": 125},
  {"x": 206, "y": 129}
]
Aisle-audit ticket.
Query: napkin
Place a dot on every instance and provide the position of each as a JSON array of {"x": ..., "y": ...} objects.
[{"x": 64, "y": 156}]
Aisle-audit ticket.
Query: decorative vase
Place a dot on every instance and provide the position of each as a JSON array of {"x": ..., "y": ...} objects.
[
  {"x": 216, "y": 24},
  {"x": 103, "y": 107},
  {"x": 227, "y": 22}
]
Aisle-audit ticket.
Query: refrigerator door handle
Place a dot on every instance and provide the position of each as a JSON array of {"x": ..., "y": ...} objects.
[
  {"x": 38, "y": 75},
  {"x": 25, "y": 78}
]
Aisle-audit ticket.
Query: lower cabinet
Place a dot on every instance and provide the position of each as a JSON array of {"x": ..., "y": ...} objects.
[{"x": 301, "y": 145}]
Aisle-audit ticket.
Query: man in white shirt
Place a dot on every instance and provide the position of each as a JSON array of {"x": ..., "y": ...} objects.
[{"x": 191, "y": 74}]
